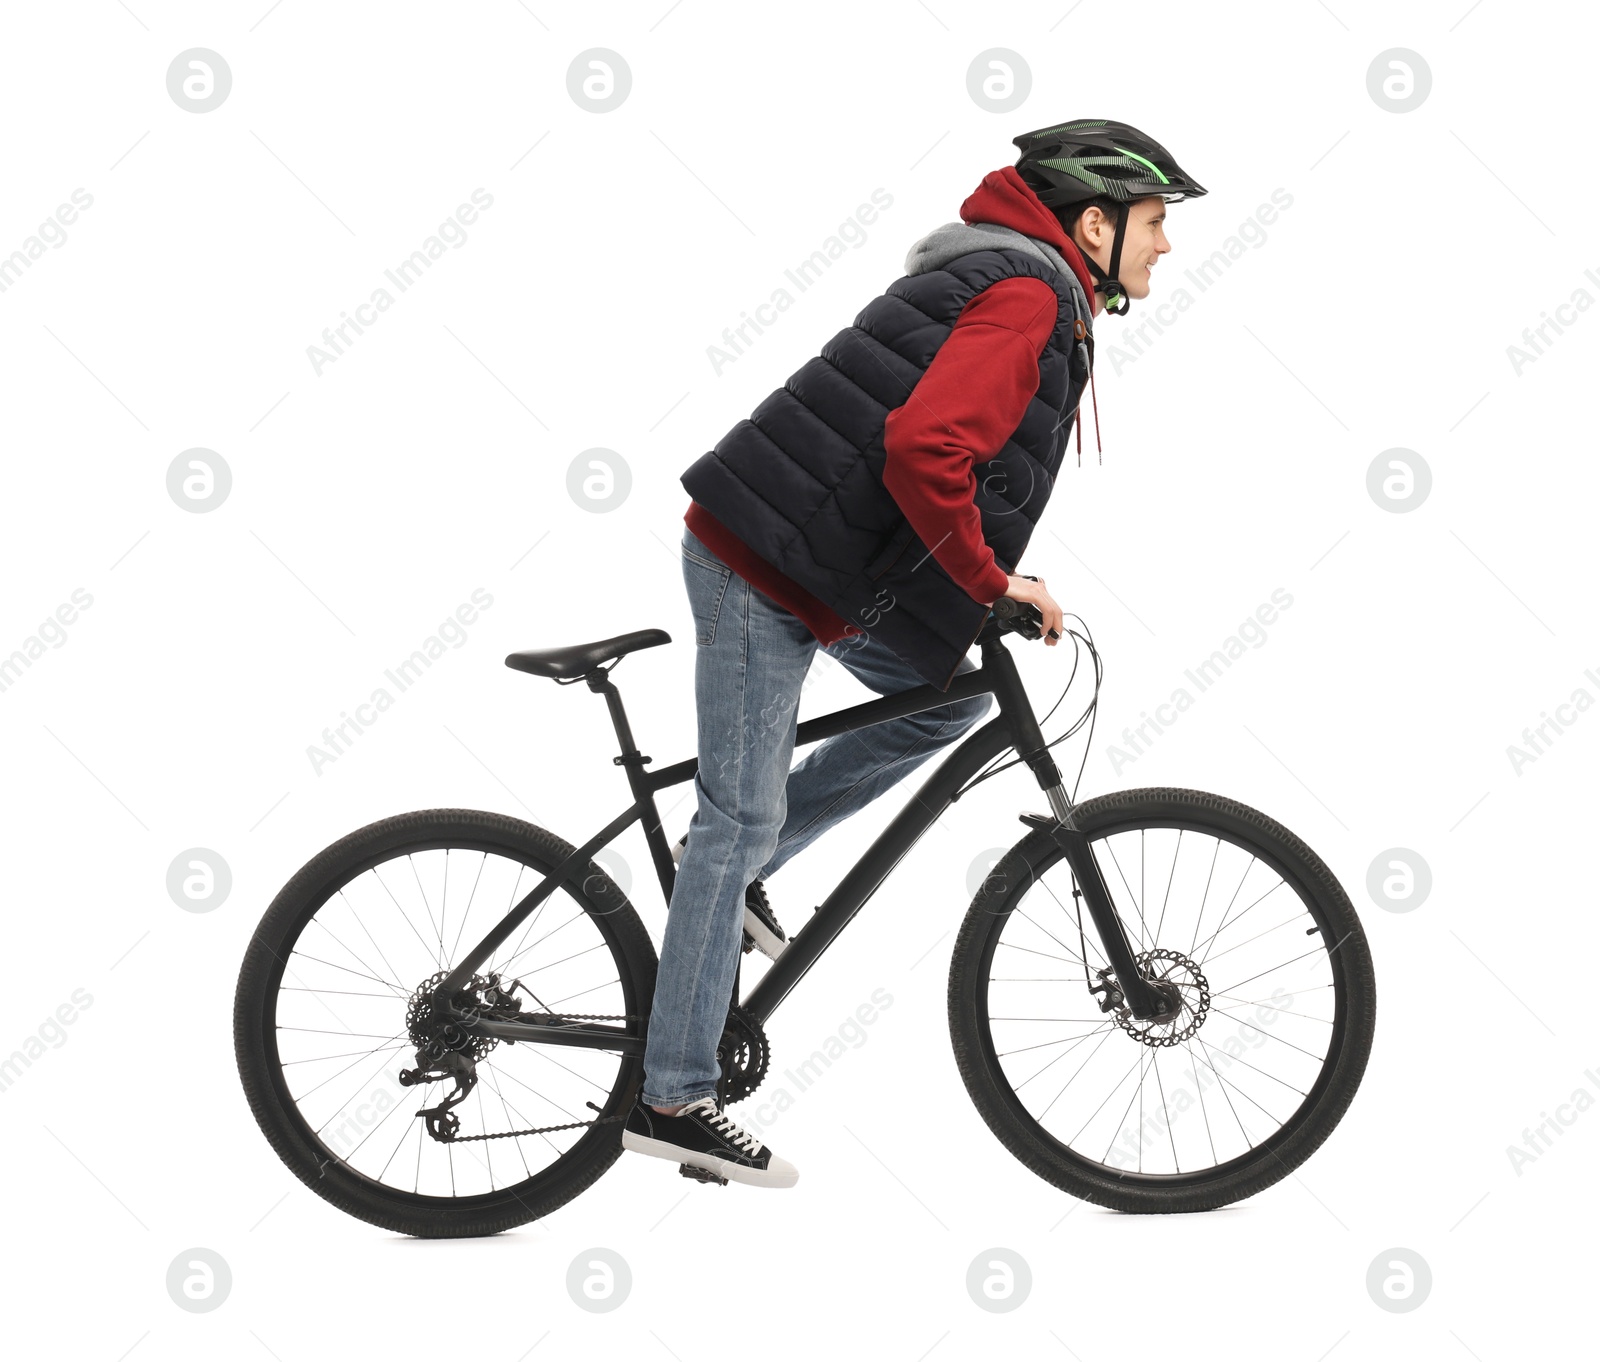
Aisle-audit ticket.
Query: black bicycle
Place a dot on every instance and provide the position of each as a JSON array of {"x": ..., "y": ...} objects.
[{"x": 1208, "y": 1027}]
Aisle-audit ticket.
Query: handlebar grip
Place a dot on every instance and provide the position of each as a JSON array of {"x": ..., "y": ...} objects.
[
  {"x": 1019, "y": 616},
  {"x": 1008, "y": 609}
]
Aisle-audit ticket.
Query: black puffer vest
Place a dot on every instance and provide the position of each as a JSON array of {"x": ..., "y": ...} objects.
[{"x": 801, "y": 480}]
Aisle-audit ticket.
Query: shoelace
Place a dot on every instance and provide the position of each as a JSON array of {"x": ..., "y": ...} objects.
[{"x": 725, "y": 1125}]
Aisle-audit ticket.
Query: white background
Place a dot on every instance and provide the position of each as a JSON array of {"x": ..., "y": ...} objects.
[{"x": 431, "y": 459}]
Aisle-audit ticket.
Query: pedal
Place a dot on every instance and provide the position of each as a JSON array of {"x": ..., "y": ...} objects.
[{"x": 701, "y": 1174}]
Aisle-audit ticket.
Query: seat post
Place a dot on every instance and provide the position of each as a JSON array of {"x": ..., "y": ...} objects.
[
  {"x": 600, "y": 682},
  {"x": 633, "y": 761}
]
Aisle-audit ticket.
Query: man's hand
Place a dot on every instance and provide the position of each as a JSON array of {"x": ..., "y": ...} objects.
[{"x": 1026, "y": 589}]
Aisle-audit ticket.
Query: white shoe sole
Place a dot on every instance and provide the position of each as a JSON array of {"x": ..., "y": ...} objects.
[
  {"x": 766, "y": 941},
  {"x": 780, "y": 1173}
]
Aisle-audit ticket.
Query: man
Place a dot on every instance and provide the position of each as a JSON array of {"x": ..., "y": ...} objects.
[{"x": 875, "y": 506}]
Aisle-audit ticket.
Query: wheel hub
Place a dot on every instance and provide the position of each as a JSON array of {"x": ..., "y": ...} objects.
[{"x": 1184, "y": 992}]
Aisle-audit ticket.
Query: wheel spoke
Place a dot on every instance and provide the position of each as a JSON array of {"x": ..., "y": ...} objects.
[
  {"x": 506, "y": 968},
  {"x": 399, "y": 988},
  {"x": 1205, "y": 894},
  {"x": 1262, "y": 1002},
  {"x": 1075, "y": 918},
  {"x": 526, "y": 1122},
  {"x": 362, "y": 923},
  {"x": 1060, "y": 1040},
  {"x": 1075, "y": 958},
  {"x": 398, "y": 991},
  {"x": 1132, "y": 1114},
  {"x": 1103, "y": 1039},
  {"x": 377, "y": 943},
  {"x": 1155, "y": 1064},
  {"x": 1162, "y": 920},
  {"x": 1134, "y": 1096},
  {"x": 1012, "y": 945},
  {"x": 1281, "y": 1041},
  {"x": 1247, "y": 1064},
  {"x": 1205, "y": 1115},
  {"x": 1112, "y": 851},
  {"x": 1288, "y": 922},
  {"x": 1230, "y": 922},
  {"x": 439, "y": 928},
  {"x": 1194, "y": 947},
  {"x": 437, "y": 963},
  {"x": 1285, "y": 965}
]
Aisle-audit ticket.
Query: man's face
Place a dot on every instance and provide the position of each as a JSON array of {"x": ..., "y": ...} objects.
[{"x": 1143, "y": 243}]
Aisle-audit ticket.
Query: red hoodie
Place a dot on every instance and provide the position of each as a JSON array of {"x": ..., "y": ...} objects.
[{"x": 962, "y": 410}]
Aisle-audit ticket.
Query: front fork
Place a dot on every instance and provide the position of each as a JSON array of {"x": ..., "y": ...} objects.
[{"x": 1144, "y": 1001}]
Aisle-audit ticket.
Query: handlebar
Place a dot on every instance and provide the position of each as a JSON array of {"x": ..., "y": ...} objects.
[{"x": 1017, "y": 617}]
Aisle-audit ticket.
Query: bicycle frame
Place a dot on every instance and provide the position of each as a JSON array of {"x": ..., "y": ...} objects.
[{"x": 1015, "y": 726}]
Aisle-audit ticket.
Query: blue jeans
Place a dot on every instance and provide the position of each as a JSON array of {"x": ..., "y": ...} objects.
[{"x": 754, "y": 812}]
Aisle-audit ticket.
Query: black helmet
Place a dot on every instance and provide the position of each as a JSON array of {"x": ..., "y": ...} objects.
[{"x": 1095, "y": 158}]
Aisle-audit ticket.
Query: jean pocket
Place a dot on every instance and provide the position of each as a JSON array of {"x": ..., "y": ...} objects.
[{"x": 706, "y": 583}]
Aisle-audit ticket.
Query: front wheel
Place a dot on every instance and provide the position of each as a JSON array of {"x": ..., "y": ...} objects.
[{"x": 1251, "y": 929}]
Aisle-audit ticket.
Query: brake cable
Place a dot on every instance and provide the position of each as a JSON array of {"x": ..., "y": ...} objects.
[{"x": 1088, "y": 716}]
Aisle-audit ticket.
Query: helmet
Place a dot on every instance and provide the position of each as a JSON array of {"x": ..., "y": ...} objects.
[{"x": 1095, "y": 158}]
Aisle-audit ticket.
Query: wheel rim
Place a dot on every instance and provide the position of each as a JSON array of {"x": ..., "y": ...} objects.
[
  {"x": 1268, "y": 996},
  {"x": 335, "y": 1030}
]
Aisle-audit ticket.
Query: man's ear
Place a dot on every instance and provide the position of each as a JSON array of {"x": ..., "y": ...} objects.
[{"x": 1094, "y": 226}]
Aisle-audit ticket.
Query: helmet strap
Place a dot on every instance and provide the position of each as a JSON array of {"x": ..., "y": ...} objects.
[{"x": 1110, "y": 284}]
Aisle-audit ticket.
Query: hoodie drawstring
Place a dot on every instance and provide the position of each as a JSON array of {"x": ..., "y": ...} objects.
[{"x": 1094, "y": 402}]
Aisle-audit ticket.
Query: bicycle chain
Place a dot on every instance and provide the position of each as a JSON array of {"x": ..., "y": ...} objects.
[
  {"x": 537, "y": 1130},
  {"x": 583, "y": 1016},
  {"x": 569, "y": 1125},
  {"x": 747, "y": 1080}
]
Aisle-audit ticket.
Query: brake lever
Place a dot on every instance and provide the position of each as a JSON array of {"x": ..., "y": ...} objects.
[
  {"x": 1019, "y": 617},
  {"x": 1030, "y": 619}
]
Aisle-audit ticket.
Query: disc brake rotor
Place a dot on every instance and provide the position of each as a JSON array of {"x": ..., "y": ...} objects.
[{"x": 1178, "y": 977}]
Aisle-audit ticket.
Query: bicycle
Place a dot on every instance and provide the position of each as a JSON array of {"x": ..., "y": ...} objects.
[{"x": 1275, "y": 1048}]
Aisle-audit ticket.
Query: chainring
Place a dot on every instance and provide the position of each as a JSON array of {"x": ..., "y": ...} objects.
[{"x": 744, "y": 1054}]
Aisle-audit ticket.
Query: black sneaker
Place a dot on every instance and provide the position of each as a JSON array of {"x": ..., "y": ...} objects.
[
  {"x": 762, "y": 931},
  {"x": 703, "y": 1136}
]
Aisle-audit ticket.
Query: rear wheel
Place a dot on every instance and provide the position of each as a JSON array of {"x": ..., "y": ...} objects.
[
  {"x": 1222, "y": 906},
  {"x": 338, "y": 973}
]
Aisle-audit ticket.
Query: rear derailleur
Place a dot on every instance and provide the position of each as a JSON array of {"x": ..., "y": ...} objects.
[{"x": 437, "y": 1025}]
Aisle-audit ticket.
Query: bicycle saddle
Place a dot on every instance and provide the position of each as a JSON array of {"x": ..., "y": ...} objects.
[{"x": 580, "y": 658}]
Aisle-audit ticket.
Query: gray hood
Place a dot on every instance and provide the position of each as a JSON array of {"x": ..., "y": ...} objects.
[{"x": 944, "y": 244}]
